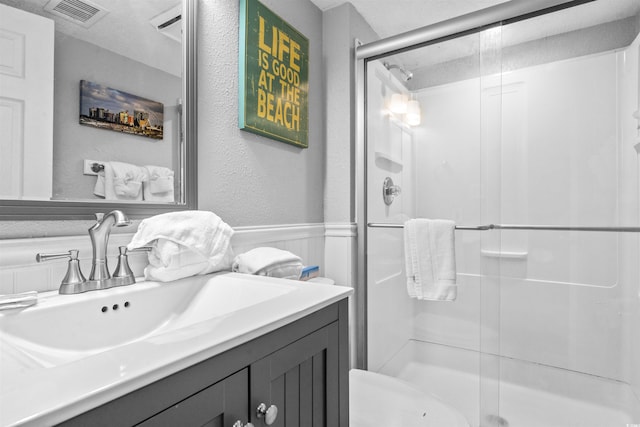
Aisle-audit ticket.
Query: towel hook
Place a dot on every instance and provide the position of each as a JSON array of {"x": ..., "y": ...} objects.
[{"x": 97, "y": 167}]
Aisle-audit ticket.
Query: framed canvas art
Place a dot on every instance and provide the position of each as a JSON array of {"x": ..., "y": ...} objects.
[
  {"x": 274, "y": 76},
  {"x": 112, "y": 109}
]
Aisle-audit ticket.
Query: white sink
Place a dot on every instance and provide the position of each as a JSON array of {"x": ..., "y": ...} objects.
[
  {"x": 166, "y": 327},
  {"x": 64, "y": 328}
]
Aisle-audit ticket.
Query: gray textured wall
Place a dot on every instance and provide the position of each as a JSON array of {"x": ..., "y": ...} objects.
[
  {"x": 245, "y": 178},
  {"x": 342, "y": 26}
]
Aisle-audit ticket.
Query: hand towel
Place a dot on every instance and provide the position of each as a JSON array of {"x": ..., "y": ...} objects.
[
  {"x": 158, "y": 185},
  {"x": 123, "y": 181},
  {"x": 98, "y": 189},
  {"x": 429, "y": 247},
  {"x": 272, "y": 262},
  {"x": 184, "y": 244}
]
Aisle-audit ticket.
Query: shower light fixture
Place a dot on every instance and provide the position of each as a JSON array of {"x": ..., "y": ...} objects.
[
  {"x": 409, "y": 109},
  {"x": 398, "y": 104},
  {"x": 412, "y": 116}
]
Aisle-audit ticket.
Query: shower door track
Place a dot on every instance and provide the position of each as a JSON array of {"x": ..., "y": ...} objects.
[{"x": 522, "y": 227}]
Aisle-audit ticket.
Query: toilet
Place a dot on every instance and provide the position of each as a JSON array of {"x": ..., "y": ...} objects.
[{"x": 381, "y": 400}]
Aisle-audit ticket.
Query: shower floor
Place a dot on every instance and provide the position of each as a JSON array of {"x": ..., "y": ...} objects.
[{"x": 530, "y": 395}]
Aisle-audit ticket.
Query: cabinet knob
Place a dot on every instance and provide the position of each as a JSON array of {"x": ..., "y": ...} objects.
[{"x": 269, "y": 414}]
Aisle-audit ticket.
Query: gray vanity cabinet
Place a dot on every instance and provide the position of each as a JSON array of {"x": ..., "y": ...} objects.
[
  {"x": 218, "y": 405},
  {"x": 301, "y": 368},
  {"x": 298, "y": 379}
]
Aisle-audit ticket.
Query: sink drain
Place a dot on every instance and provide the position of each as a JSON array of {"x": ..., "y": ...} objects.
[{"x": 493, "y": 420}]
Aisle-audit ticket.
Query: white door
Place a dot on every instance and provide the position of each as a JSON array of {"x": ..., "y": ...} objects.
[{"x": 26, "y": 104}]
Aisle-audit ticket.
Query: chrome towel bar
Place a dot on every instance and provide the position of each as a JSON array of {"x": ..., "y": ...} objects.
[{"x": 521, "y": 227}]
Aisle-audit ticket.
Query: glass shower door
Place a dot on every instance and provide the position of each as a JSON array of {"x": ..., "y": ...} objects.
[
  {"x": 532, "y": 125},
  {"x": 446, "y": 166}
]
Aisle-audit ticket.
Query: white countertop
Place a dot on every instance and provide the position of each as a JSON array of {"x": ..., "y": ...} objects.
[{"x": 37, "y": 395}]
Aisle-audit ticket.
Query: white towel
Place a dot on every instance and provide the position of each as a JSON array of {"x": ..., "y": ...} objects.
[
  {"x": 184, "y": 244},
  {"x": 161, "y": 274},
  {"x": 123, "y": 181},
  {"x": 98, "y": 189},
  {"x": 158, "y": 185},
  {"x": 270, "y": 262},
  {"x": 429, "y": 247}
]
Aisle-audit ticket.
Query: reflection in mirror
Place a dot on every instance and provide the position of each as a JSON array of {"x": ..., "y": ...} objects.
[{"x": 91, "y": 101}]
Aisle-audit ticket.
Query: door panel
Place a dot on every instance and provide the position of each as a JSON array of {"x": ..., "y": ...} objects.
[
  {"x": 219, "y": 405},
  {"x": 301, "y": 380},
  {"x": 26, "y": 104}
]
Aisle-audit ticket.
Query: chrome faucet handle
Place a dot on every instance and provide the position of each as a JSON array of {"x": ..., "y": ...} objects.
[
  {"x": 73, "y": 281},
  {"x": 141, "y": 249},
  {"x": 123, "y": 270}
]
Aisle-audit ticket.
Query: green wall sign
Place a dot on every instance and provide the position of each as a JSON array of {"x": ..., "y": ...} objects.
[{"x": 274, "y": 76}]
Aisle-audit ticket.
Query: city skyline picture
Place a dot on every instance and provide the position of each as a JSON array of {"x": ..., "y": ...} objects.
[{"x": 107, "y": 108}]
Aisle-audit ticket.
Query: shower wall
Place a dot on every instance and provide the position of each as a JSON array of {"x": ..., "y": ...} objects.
[
  {"x": 629, "y": 66},
  {"x": 391, "y": 150},
  {"x": 566, "y": 157}
]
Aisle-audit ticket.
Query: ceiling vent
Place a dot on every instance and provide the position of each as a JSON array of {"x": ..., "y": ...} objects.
[
  {"x": 83, "y": 12},
  {"x": 169, "y": 23}
]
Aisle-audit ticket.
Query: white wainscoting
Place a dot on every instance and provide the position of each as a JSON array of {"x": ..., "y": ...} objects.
[
  {"x": 340, "y": 252},
  {"x": 340, "y": 249},
  {"x": 19, "y": 271}
]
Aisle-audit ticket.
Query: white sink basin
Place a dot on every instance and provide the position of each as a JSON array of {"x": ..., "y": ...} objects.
[
  {"x": 64, "y": 328},
  {"x": 166, "y": 327}
]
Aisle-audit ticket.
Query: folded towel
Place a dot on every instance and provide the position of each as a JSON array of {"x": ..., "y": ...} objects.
[
  {"x": 270, "y": 262},
  {"x": 169, "y": 254},
  {"x": 184, "y": 244},
  {"x": 170, "y": 261},
  {"x": 158, "y": 186},
  {"x": 123, "y": 181},
  {"x": 429, "y": 247},
  {"x": 162, "y": 274}
]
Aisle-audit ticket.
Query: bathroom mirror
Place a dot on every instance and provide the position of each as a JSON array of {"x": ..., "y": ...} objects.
[{"x": 112, "y": 86}]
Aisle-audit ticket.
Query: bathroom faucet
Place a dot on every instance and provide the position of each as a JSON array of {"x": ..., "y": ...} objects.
[
  {"x": 74, "y": 282},
  {"x": 99, "y": 233}
]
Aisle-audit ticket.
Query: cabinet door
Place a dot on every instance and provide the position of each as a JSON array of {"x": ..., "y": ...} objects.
[
  {"x": 302, "y": 380},
  {"x": 219, "y": 405}
]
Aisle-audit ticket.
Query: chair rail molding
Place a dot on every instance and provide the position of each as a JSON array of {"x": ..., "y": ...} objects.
[{"x": 19, "y": 271}]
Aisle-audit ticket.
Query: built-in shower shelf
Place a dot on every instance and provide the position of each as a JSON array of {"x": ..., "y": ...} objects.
[
  {"x": 395, "y": 161},
  {"x": 505, "y": 254}
]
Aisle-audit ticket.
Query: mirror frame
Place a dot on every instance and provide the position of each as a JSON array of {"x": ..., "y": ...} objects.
[{"x": 44, "y": 210}]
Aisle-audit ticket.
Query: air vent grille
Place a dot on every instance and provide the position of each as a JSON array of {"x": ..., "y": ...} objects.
[
  {"x": 81, "y": 12},
  {"x": 168, "y": 23},
  {"x": 76, "y": 9}
]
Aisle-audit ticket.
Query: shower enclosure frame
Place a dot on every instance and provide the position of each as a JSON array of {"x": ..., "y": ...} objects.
[{"x": 502, "y": 14}]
